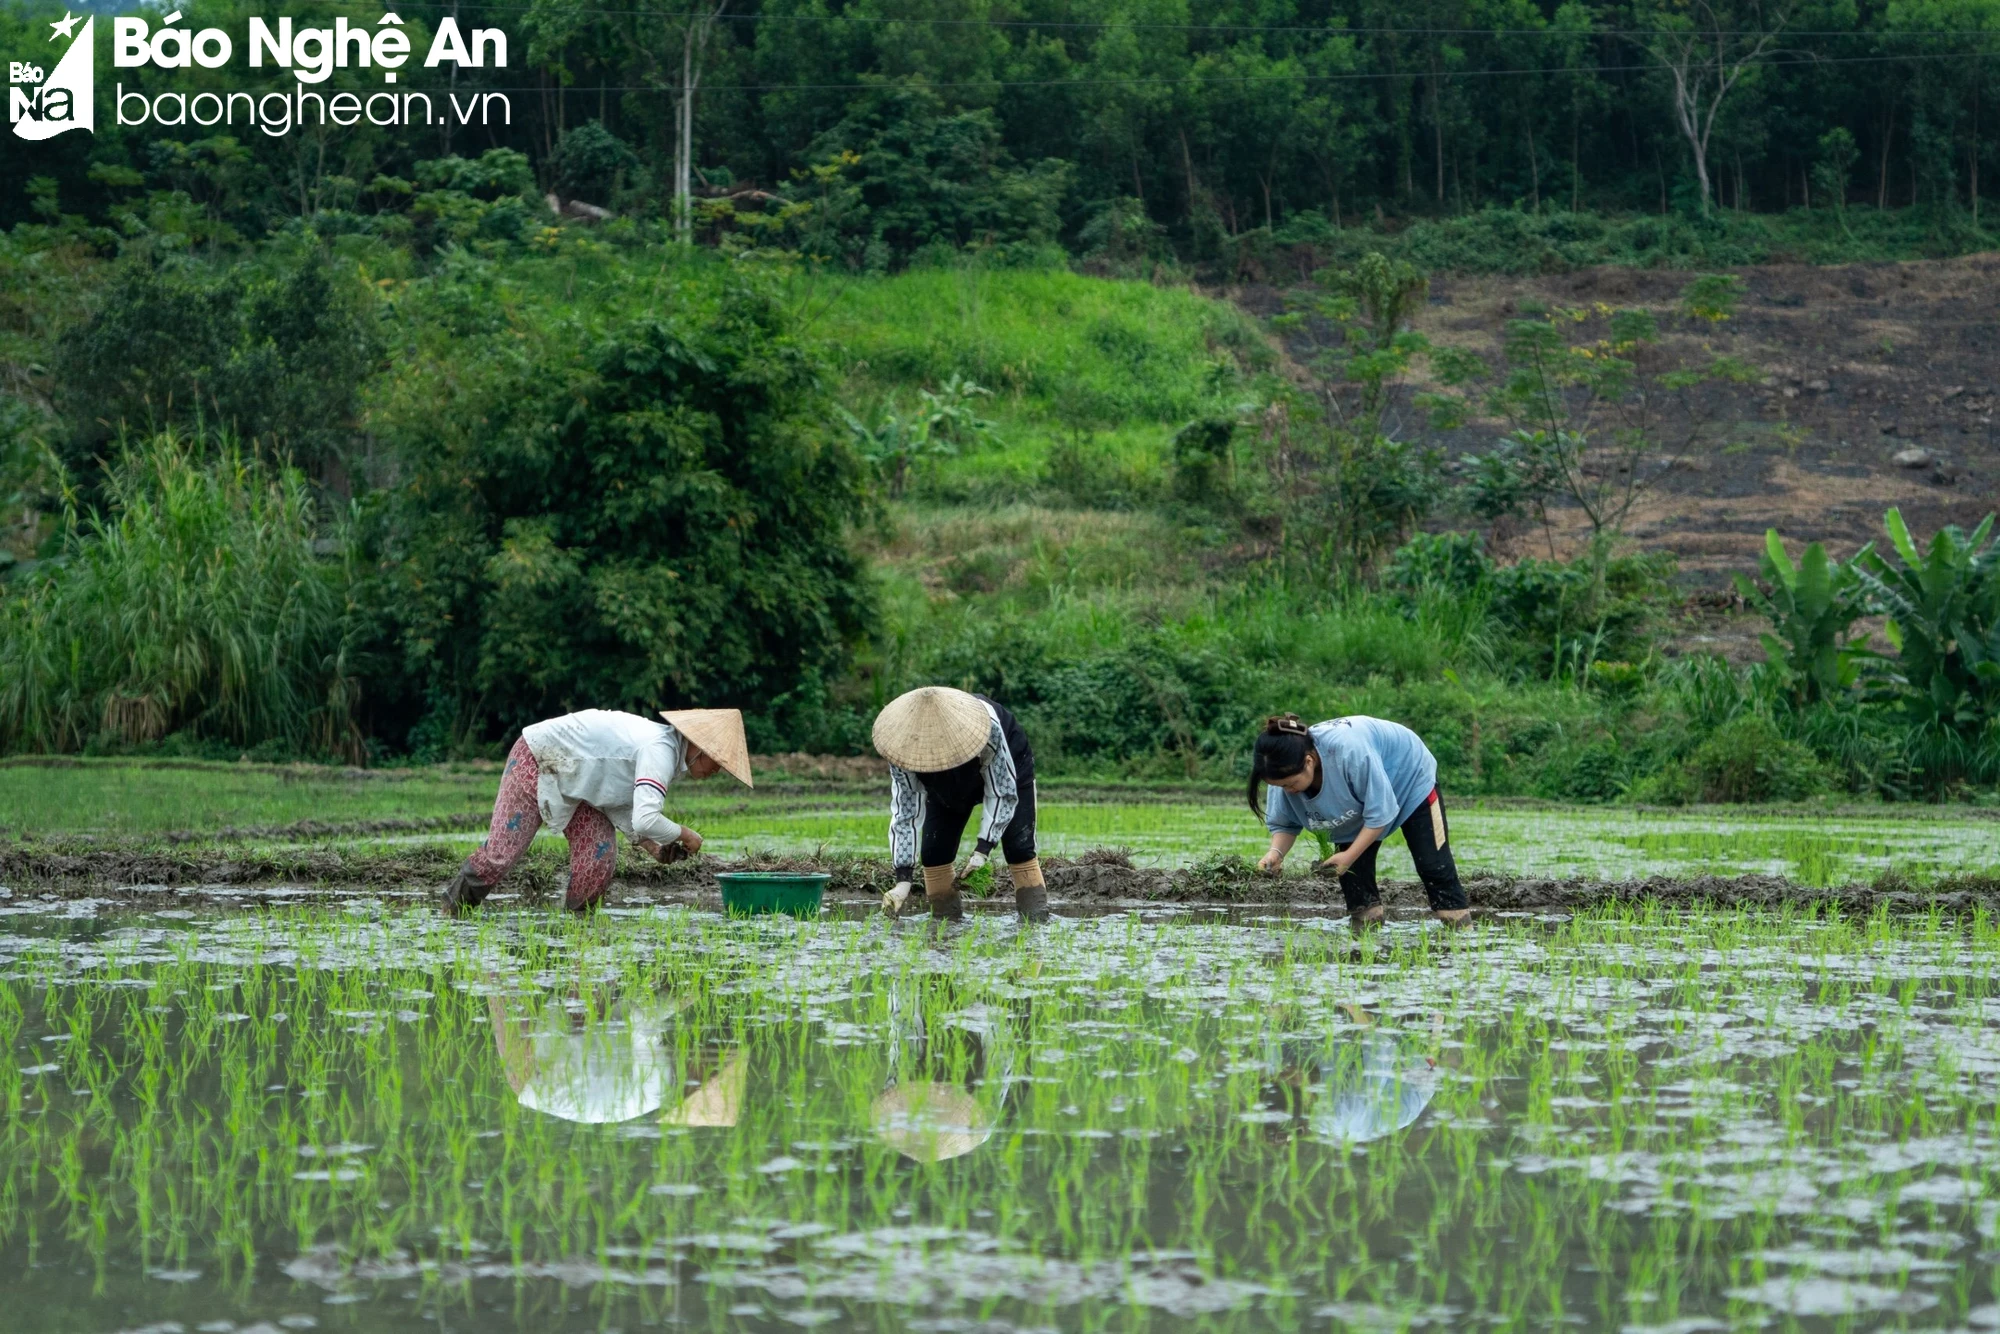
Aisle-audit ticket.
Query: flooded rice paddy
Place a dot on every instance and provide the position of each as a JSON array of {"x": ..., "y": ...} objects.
[{"x": 372, "y": 1119}]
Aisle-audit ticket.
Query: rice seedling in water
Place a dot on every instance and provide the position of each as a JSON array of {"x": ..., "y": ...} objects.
[{"x": 1622, "y": 1119}]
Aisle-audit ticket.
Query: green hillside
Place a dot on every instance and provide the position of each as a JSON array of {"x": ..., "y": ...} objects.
[{"x": 594, "y": 472}]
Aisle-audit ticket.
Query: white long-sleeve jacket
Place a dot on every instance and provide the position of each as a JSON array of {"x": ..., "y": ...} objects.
[
  {"x": 618, "y": 762},
  {"x": 908, "y": 801}
]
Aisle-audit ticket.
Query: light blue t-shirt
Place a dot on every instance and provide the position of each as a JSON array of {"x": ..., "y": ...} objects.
[{"x": 1376, "y": 774}]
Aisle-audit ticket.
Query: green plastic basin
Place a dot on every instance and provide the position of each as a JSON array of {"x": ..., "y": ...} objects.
[{"x": 748, "y": 893}]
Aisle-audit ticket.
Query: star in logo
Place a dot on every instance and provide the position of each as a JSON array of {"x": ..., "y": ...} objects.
[{"x": 66, "y": 28}]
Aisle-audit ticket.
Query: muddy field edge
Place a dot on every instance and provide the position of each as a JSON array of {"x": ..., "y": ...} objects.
[{"x": 138, "y": 878}]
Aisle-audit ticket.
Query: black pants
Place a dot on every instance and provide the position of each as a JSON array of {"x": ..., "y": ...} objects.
[
  {"x": 944, "y": 828},
  {"x": 1429, "y": 837}
]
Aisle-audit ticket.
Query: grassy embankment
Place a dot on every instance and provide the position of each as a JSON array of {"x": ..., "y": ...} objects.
[
  {"x": 1056, "y": 563},
  {"x": 1142, "y": 633}
]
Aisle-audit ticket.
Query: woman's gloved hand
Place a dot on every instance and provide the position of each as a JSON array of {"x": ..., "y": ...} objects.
[
  {"x": 976, "y": 875},
  {"x": 893, "y": 901},
  {"x": 667, "y": 855}
]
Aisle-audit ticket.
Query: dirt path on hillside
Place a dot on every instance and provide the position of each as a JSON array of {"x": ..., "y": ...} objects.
[{"x": 1863, "y": 362}]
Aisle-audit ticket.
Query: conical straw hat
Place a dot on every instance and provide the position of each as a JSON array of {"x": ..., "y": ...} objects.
[
  {"x": 719, "y": 1102},
  {"x": 719, "y": 732},
  {"x": 931, "y": 728},
  {"x": 930, "y": 1122}
]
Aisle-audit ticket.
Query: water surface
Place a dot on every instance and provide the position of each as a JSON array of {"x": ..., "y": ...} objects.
[{"x": 371, "y": 1119}]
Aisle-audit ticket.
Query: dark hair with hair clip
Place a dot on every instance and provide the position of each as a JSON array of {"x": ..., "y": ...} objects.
[{"x": 1280, "y": 752}]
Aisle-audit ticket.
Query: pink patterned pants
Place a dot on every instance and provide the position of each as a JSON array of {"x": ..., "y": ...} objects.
[{"x": 593, "y": 843}]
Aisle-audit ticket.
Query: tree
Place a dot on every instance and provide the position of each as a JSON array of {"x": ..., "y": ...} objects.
[
  {"x": 1334, "y": 119},
  {"x": 669, "y": 42},
  {"x": 695, "y": 29},
  {"x": 276, "y": 359},
  {"x": 1834, "y": 168},
  {"x": 926, "y": 177},
  {"x": 1708, "y": 48},
  {"x": 1367, "y": 489},
  {"x": 658, "y": 516},
  {"x": 1590, "y": 396}
]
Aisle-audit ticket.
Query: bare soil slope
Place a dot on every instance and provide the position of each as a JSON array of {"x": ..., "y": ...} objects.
[{"x": 1862, "y": 363}]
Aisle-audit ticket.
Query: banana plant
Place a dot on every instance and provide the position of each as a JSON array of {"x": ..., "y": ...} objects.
[
  {"x": 1943, "y": 606},
  {"x": 893, "y": 443},
  {"x": 1811, "y": 607},
  {"x": 944, "y": 424}
]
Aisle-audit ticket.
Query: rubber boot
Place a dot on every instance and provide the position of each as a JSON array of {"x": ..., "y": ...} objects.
[
  {"x": 1033, "y": 903},
  {"x": 1031, "y": 895},
  {"x": 464, "y": 892},
  {"x": 941, "y": 892}
]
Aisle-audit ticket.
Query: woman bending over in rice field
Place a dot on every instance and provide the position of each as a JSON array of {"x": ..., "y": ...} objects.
[{"x": 1353, "y": 780}]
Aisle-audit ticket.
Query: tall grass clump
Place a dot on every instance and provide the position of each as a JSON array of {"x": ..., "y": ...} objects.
[{"x": 191, "y": 602}]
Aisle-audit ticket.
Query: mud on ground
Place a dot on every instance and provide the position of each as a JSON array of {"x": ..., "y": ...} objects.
[{"x": 110, "y": 878}]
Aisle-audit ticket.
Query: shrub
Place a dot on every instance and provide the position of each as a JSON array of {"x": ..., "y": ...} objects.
[
  {"x": 658, "y": 519},
  {"x": 274, "y": 359},
  {"x": 591, "y": 163},
  {"x": 1204, "y": 462},
  {"x": 1147, "y": 700},
  {"x": 1567, "y": 615},
  {"x": 1447, "y": 563},
  {"x": 1593, "y": 770},
  {"x": 1748, "y": 759},
  {"x": 498, "y": 173},
  {"x": 488, "y": 199},
  {"x": 1497, "y": 240}
]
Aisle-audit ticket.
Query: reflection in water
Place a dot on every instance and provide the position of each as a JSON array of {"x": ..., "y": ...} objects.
[
  {"x": 611, "y": 1060},
  {"x": 929, "y": 1122},
  {"x": 1199, "y": 1133},
  {"x": 1369, "y": 1088},
  {"x": 599, "y": 1069},
  {"x": 593, "y": 1069},
  {"x": 932, "y": 1120},
  {"x": 1365, "y": 1088},
  {"x": 718, "y": 1102}
]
